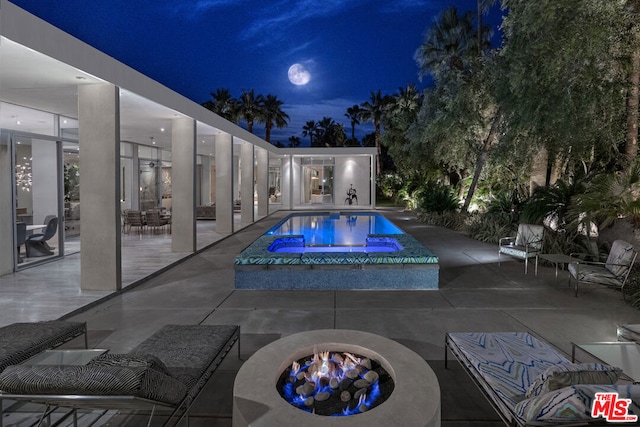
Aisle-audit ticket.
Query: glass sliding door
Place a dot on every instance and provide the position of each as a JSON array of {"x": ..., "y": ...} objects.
[
  {"x": 317, "y": 188},
  {"x": 38, "y": 198}
]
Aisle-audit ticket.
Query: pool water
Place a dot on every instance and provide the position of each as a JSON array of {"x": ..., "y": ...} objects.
[{"x": 334, "y": 229}]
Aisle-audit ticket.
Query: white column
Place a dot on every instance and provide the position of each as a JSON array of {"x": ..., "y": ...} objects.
[
  {"x": 205, "y": 185},
  {"x": 99, "y": 135},
  {"x": 246, "y": 209},
  {"x": 224, "y": 183},
  {"x": 183, "y": 185},
  {"x": 262, "y": 181}
]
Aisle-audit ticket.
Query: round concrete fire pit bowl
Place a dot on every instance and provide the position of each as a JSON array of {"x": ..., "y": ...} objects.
[{"x": 415, "y": 400}]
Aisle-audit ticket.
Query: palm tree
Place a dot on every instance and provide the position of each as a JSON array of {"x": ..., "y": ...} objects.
[
  {"x": 223, "y": 104},
  {"x": 373, "y": 111},
  {"x": 294, "y": 141},
  {"x": 273, "y": 115},
  {"x": 250, "y": 108},
  {"x": 483, "y": 41},
  {"x": 354, "y": 114},
  {"x": 310, "y": 129},
  {"x": 448, "y": 44}
]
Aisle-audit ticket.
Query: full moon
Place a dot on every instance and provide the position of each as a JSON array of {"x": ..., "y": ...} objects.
[{"x": 298, "y": 75}]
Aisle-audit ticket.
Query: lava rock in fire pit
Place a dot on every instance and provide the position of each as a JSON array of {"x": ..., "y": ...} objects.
[{"x": 335, "y": 384}]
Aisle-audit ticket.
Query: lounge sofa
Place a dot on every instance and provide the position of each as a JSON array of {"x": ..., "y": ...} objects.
[
  {"x": 166, "y": 371},
  {"x": 530, "y": 383},
  {"x": 206, "y": 212},
  {"x": 21, "y": 341}
]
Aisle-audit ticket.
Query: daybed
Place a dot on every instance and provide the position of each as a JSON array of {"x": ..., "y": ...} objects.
[
  {"x": 166, "y": 371},
  {"x": 530, "y": 383},
  {"x": 20, "y": 341}
]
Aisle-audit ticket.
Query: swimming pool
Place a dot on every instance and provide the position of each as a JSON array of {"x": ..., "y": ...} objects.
[
  {"x": 336, "y": 250},
  {"x": 334, "y": 232}
]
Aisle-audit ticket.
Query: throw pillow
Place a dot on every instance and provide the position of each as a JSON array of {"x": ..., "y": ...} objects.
[
  {"x": 564, "y": 375},
  {"x": 131, "y": 361}
]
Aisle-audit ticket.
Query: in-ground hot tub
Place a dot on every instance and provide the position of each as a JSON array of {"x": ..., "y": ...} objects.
[
  {"x": 415, "y": 400},
  {"x": 359, "y": 250}
]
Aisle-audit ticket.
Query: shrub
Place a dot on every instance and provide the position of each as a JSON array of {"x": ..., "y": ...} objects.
[{"x": 438, "y": 198}]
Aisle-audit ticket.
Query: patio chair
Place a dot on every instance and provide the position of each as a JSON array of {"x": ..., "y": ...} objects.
[
  {"x": 526, "y": 244},
  {"x": 613, "y": 272}
]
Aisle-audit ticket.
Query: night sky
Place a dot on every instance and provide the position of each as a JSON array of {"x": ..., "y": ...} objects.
[{"x": 348, "y": 47}]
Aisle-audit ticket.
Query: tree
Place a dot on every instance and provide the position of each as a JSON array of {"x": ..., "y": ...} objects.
[
  {"x": 460, "y": 123},
  {"x": 401, "y": 112},
  {"x": 273, "y": 115},
  {"x": 633, "y": 98},
  {"x": 354, "y": 114},
  {"x": 250, "y": 108},
  {"x": 223, "y": 104},
  {"x": 449, "y": 44},
  {"x": 310, "y": 129},
  {"x": 329, "y": 133},
  {"x": 294, "y": 141},
  {"x": 373, "y": 110},
  {"x": 561, "y": 80}
]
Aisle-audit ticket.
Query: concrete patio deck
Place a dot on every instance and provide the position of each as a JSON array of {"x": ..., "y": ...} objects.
[{"x": 475, "y": 294}]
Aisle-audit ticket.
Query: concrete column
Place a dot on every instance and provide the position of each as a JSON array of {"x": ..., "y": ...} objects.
[
  {"x": 262, "y": 181},
  {"x": 205, "y": 185},
  {"x": 99, "y": 135},
  {"x": 183, "y": 185},
  {"x": 246, "y": 210},
  {"x": 7, "y": 208},
  {"x": 224, "y": 183}
]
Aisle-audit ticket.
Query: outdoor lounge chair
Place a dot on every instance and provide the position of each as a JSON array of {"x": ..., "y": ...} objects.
[
  {"x": 613, "y": 272},
  {"x": 526, "y": 244},
  {"x": 166, "y": 371},
  {"x": 528, "y": 382},
  {"x": 21, "y": 341}
]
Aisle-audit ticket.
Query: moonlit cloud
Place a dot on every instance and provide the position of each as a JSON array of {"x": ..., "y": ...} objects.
[{"x": 195, "y": 8}]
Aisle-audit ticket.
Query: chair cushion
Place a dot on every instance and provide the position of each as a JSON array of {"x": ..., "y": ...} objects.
[
  {"x": 530, "y": 234},
  {"x": 571, "y": 403},
  {"x": 620, "y": 258},
  {"x": 560, "y": 376},
  {"x": 20, "y": 341},
  {"x": 506, "y": 361},
  {"x": 593, "y": 273},
  {"x": 92, "y": 380}
]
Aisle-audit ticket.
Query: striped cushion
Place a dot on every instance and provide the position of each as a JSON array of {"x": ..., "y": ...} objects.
[
  {"x": 91, "y": 380},
  {"x": 506, "y": 361},
  {"x": 571, "y": 403},
  {"x": 560, "y": 376},
  {"x": 130, "y": 361},
  {"x": 20, "y": 341}
]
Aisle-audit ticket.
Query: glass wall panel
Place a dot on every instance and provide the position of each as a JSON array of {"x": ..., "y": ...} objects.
[
  {"x": 71, "y": 180},
  {"x": 38, "y": 171}
]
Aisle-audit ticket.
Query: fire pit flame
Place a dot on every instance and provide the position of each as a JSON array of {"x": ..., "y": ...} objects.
[{"x": 343, "y": 381}]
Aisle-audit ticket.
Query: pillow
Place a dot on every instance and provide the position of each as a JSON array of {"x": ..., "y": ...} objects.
[
  {"x": 131, "y": 361},
  {"x": 571, "y": 404},
  {"x": 566, "y": 374}
]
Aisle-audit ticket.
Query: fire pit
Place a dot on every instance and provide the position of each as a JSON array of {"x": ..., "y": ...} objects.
[{"x": 412, "y": 396}]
